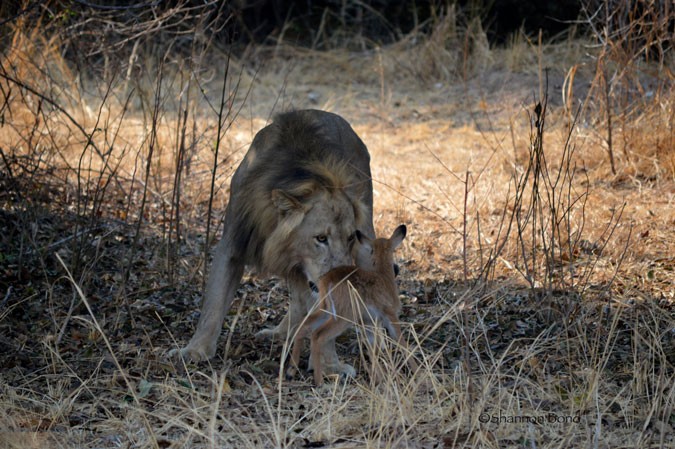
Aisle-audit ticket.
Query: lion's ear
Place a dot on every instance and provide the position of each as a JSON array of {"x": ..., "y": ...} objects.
[
  {"x": 284, "y": 202},
  {"x": 362, "y": 238}
]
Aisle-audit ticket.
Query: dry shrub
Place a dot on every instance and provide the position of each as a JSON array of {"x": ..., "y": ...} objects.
[
  {"x": 37, "y": 86},
  {"x": 454, "y": 47},
  {"x": 644, "y": 141},
  {"x": 436, "y": 56},
  {"x": 529, "y": 54},
  {"x": 633, "y": 73}
]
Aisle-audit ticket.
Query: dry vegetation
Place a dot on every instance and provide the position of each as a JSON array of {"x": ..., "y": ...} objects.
[{"x": 537, "y": 182}]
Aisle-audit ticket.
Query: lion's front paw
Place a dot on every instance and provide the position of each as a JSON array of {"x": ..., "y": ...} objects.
[
  {"x": 273, "y": 334},
  {"x": 193, "y": 353},
  {"x": 344, "y": 370},
  {"x": 265, "y": 334},
  {"x": 347, "y": 371}
]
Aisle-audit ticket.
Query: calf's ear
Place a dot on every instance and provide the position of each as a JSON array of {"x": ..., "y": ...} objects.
[{"x": 398, "y": 236}]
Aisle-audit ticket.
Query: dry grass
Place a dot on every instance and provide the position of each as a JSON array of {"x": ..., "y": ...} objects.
[{"x": 104, "y": 208}]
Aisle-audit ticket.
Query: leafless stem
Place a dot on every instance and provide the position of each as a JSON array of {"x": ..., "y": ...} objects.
[{"x": 464, "y": 231}]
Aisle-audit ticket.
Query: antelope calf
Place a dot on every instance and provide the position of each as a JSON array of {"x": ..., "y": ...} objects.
[{"x": 373, "y": 278}]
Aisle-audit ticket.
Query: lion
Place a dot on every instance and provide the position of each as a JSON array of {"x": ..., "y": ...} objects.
[{"x": 296, "y": 201}]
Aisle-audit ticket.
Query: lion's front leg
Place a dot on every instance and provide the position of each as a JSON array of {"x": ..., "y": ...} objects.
[
  {"x": 224, "y": 276},
  {"x": 301, "y": 301}
]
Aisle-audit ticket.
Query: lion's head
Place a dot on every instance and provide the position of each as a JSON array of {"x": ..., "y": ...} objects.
[
  {"x": 300, "y": 194},
  {"x": 314, "y": 233}
]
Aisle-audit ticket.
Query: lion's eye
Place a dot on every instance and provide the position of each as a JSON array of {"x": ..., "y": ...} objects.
[{"x": 321, "y": 239}]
